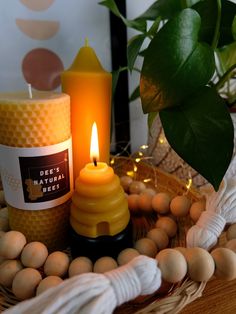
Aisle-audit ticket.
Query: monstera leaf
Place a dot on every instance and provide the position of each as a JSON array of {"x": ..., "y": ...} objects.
[
  {"x": 175, "y": 63},
  {"x": 201, "y": 132}
]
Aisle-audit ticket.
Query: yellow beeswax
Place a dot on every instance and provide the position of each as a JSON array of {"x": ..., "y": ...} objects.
[
  {"x": 89, "y": 87},
  {"x": 99, "y": 206},
  {"x": 41, "y": 121}
]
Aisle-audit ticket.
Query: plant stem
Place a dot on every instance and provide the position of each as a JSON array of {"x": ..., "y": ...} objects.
[
  {"x": 217, "y": 27},
  {"x": 225, "y": 77}
]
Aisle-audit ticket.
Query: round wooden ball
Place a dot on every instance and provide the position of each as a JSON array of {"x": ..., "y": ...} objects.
[
  {"x": 8, "y": 270},
  {"x": 168, "y": 225},
  {"x": 104, "y": 264},
  {"x": 34, "y": 254},
  {"x": 136, "y": 187},
  {"x": 172, "y": 264},
  {"x": 145, "y": 202},
  {"x": 25, "y": 283},
  {"x": 80, "y": 265},
  {"x": 231, "y": 244},
  {"x": 225, "y": 263},
  {"x": 125, "y": 182},
  {"x": 57, "y": 264},
  {"x": 48, "y": 282},
  {"x": 133, "y": 202},
  {"x": 196, "y": 209},
  {"x": 180, "y": 205},
  {"x": 161, "y": 203},
  {"x": 146, "y": 246},
  {"x": 11, "y": 244},
  {"x": 126, "y": 256},
  {"x": 159, "y": 236},
  {"x": 201, "y": 265},
  {"x": 149, "y": 191},
  {"x": 231, "y": 232}
]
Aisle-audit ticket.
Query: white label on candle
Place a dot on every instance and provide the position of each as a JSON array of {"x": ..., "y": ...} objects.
[{"x": 37, "y": 178}]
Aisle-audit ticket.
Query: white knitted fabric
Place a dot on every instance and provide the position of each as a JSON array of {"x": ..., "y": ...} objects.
[
  {"x": 96, "y": 293},
  {"x": 220, "y": 208}
]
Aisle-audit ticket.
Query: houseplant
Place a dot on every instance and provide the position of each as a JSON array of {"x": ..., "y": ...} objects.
[{"x": 189, "y": 59}]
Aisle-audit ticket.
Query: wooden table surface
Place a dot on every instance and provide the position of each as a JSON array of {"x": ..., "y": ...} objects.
[{"x": 219, "y": 297}]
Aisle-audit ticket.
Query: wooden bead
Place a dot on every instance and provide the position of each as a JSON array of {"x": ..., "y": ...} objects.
[
  {"x": 136, "y": 187},
  {"x": 48, "y": 282},
  {"x": 196, "y": 209},
  {"x": 146, "y": 246},
  {"x": 149, "y": 191},
  {"x": 57, "y": 264},
  {"x": 34, "y": 254},
  {"x": 180, "y": 205},
  {"x": 225, "y": 263},
  {"x": 201, "y": 265},
  {"x": 11, "y": 244},
  {"x": 8, "y": 270},
  {"x": 172, "y": 264},
  {"x": 25, "y": 283},
  {"x": 145, "y": 202},
  {"x": 133, "y": 202},
  {"x": 126, "y": 256},
  {"x": 125, "y": 182},
  {"x": 104, "y": 264},
  {"x": 231, "y": 244},
  {"x": 159, "y": 236},
  {"x": 80, "y": 265},
  {"x": 161, "y": 203},
  {"x": 231, "y": 232},
  {"x": 168, "y": 225}
]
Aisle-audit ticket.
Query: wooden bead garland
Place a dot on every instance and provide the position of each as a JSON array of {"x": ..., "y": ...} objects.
[{"x": 221, "y": 262}]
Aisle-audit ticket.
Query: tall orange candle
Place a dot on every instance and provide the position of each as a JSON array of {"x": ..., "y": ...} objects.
[{"x": 89, "y": 87}]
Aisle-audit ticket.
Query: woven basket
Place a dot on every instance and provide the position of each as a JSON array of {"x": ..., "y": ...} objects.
[{"x": 170, "y": 298}]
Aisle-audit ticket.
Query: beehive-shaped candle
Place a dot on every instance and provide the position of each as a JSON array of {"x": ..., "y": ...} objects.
[
  {"x": 35, "y": 164},
  {"x": 99, "y": 206}
]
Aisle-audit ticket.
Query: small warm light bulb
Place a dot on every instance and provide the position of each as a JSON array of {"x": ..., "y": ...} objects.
[
  {"x": 94, "y": 149},
  {"x": 189, "y": 184}
]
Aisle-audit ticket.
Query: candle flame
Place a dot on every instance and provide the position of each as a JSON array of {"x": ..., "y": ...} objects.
[{"x": 94, "y": 149}]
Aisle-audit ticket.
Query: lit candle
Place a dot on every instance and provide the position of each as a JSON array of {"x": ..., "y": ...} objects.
[
  {"x": 99, "y": 206},
  {"x": 89, "y": 87}
]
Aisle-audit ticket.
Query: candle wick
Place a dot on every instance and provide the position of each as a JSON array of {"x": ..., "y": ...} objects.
[
  {"x": 30, "y": 91},
  {"x": 86, "y": 42},
  {"x": 95, "y": 162}
]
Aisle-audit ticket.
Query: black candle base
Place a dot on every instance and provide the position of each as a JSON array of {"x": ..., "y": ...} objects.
[{"x": 95, "y": 248}]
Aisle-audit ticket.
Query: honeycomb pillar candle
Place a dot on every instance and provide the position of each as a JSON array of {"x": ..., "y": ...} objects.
[
  {"x": 99, "y": 212},
  {"x": 36, "y": 162},
  {"x": 89, "y": 87}
]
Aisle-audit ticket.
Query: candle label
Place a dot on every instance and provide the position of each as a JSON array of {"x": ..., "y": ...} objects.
[{"x": 37, "y": 178}]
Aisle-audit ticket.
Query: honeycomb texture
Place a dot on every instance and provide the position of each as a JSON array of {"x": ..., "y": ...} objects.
[{"x": 41, "y": 121}]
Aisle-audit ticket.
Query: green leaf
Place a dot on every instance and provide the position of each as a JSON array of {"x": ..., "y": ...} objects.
[
  {"x": 175, "y": 63},
  {"x": 228, "y": 12},
  {"x": 166, "y": 9},
  {"x": 234, "y": 28},
  {"x": 133, "y": 49},
  {"x": 227, "y": 56},
  {"x": 153, "y": 29},
  {"x": 135, "y": 94},
  {"x": 201, "y": 132},
  {"x": 139, "y": 25}
]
